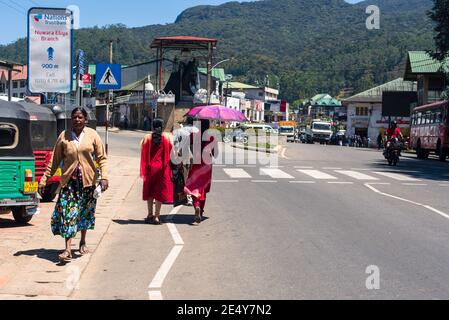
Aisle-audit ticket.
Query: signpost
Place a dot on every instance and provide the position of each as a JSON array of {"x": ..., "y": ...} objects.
[
  {"x": 50, "y": 44},
  {"x": 109, "y": 77}
]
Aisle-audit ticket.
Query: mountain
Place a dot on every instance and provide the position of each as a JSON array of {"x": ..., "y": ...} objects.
[{"x": 305, "y": 46}]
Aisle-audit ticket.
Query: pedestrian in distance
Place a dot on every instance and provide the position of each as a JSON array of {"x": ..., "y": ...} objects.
[
  {"x": 379, "y": 141},
  {"x": 199, "y": 181},
  {"x": 155, "y": 169},
  {"x": 126, "y": 122},
  {"x": 77, "y": 149}
]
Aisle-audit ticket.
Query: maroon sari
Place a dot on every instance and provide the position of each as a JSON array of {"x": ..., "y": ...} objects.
[{"x": 199, "y": 181}]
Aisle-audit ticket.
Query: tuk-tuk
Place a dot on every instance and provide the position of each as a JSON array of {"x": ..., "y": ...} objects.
[
  {"x": 43, "y": 139},
  {"x": 64, "y": 115},
  {"x": 18, "y": 188},
  {"x": 47, "y": 123}
]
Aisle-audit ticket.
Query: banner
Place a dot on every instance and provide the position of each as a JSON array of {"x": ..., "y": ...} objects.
[{"x": 49, "y": 50}]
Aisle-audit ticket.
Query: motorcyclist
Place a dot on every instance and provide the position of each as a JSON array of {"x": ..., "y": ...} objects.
[{"x": 395, "y": 135}]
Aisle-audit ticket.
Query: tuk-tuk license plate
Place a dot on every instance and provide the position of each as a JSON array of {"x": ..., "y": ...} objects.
[{"x": 30, "y": 187}]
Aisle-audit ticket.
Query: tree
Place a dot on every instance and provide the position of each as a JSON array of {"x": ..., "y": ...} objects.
[{"x": 440, "y": 15}]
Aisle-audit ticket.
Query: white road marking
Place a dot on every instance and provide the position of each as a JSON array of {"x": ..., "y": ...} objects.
[
  {"x": 318, "y": 175},
  {"x": 283, "y": 154},
  {"x": 276, "y": 174},
  {"x": 302, "y": 182},
  {"x": 155, "y": 295},
  {"x": 340, "y": 182},
  {"x": 397, "y": 176},
  {"x": 163, "y": 271},
  {"x": 166, "y": 266},
  {"x": 175, "y": 234},
  {"x": 331, "y": 168},
  {"x": 237, "y": 173},
  {"x": 415, "y": 184},
  {"x": 408, "y": 201},
  {"x": 172, "y": 228},
  {"x": 302, "y": 167},
  {"x": 380, "y": 183},
  {"x": 357, "y": 175}
]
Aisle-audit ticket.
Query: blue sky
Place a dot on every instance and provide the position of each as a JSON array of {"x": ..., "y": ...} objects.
[{"x": 133, "y": 13}]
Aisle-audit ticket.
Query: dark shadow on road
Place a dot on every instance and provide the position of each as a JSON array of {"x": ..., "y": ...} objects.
[
  {"x": 129, "y": 222},
  {"x": 185, "y": 219},
  {"x": 177, "y": 219},
  {"x": 44, "y": 254},
  {"x": 413, "y": 168},
  {"x": 10, "y": 223}
]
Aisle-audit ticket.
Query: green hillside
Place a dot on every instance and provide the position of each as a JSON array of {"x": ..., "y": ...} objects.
[{"x": 307, "y": 46}]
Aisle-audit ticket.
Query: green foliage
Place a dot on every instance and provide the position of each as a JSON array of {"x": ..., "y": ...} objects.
[{"x": 305, "y": 46}]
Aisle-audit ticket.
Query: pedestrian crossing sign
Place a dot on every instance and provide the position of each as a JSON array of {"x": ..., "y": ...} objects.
[{"x": 108, "y": 76}]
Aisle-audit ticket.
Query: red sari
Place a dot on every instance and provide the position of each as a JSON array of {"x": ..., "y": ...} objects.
[
  {"x": 199, "y": 182},
  {"x": 155, "y": 169}
]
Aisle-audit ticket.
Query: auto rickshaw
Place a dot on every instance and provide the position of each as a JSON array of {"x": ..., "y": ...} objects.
[
  {"x": 43, "y": 139},
  {"x": 18, "y": 188},
  {"x": 64, "y": 115}
]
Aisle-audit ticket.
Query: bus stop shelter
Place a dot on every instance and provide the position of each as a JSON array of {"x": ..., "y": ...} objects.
[{"x": 185, "y": 43}]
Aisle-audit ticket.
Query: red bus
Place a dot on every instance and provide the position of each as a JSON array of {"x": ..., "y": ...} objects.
[{"x": 430, "y": 130}]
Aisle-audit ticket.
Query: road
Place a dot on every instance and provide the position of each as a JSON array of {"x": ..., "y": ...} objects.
[{"x": 309, "y": 226}]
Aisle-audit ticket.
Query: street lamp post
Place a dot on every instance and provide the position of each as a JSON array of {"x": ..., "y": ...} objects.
[{"x": 210, "y": 73}]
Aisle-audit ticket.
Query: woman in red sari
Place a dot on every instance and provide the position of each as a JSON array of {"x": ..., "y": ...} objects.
[
  {"x": 156, "y": 171},
  {"x": 199, "y": 182}
]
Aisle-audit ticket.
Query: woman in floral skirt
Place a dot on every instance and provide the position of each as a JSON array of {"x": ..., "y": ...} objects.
[{"x": 76, "y": 149}]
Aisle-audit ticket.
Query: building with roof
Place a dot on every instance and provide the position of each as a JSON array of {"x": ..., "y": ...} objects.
[
  {"x": 429, "y": 75},
  {"x": 254, "y": 99},
  {"x": 365, "y": 110},
  {"x": 19, "y": 87},
  {"x": 323, "y": 105}
]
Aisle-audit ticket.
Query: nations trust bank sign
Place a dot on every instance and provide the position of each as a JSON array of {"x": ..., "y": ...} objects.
[{"x": 50, "y": 47}]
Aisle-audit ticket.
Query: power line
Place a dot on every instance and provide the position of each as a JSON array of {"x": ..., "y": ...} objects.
[
  {"x": 18, "y": 5},
  {"x": 35, "y": 3},
  {"x": 13, "y": 8}
]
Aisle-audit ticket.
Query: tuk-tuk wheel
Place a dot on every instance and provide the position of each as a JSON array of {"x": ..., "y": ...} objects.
[{"x": 20, "y": 215}]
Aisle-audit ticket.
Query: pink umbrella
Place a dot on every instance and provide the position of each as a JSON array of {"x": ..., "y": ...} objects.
[{"x": 218, "y": 113}]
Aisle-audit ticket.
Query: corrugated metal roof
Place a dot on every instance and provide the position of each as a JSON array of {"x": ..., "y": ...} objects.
[
  {"x": 375, "y": 94},
  {"x": 239, "y": 85},
  {"x": 217, "y": 73},
  {"x": 324, "y": 100},
  {"x": 422, "y": 62}
]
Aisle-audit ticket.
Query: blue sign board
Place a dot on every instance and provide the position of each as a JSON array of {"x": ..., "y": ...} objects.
[{"x": 108, "y": 77}]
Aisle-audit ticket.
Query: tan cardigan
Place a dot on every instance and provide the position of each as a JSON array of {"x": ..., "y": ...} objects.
[{"x": 65, "y": 151}]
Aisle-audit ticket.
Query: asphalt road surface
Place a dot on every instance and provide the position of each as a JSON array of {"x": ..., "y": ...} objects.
[{"x": 324, "y": 222}]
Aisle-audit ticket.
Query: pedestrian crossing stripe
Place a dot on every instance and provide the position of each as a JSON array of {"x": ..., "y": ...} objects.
[
  {"x": 108, "y": 78},
  {"x": 238, "y": 173}
]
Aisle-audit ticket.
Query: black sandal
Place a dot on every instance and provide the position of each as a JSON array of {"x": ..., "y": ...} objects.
[{"x": 149, "y": 220}]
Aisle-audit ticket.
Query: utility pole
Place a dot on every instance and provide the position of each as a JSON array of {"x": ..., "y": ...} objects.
[{"x": 110, "y": 98}]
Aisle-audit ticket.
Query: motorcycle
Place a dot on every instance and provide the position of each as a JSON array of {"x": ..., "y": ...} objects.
[{"x": 392, "y": 152}]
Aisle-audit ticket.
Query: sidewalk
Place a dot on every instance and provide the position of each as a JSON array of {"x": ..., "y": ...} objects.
[
  {"x": 118, "y": 130},
  {"x": 29, "y": 267}
]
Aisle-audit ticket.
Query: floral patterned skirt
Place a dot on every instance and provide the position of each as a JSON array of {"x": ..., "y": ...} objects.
[{"x": 75, "y": 209}]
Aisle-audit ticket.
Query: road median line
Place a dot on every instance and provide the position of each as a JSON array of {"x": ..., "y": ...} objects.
[
  {"x": 156, "y": 284},
  {"x": 369, "y": 186}
]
